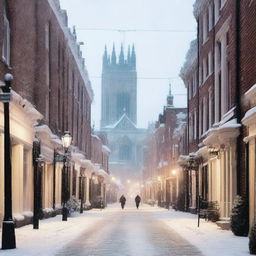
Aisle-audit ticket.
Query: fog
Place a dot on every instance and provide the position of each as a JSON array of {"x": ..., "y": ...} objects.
[{"x": 161, "y": 32}]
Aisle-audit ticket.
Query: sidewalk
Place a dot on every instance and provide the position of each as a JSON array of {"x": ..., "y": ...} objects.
[
  {"x": 209, "y": 238},
  {"x": 52, "y": 235}
]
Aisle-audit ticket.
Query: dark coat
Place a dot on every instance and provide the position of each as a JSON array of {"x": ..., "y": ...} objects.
[
  {"x": 137, "y": 199},
  {"x": 122, "y": 200}
]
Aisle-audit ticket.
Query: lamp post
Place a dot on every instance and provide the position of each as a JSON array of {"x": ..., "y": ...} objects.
[
  {"x": 193, "y": 163},
  {"x": 8, "y": 232},
  {"x": 37, "y": 163},
  {"x": 66, "y": 142},
  {"x": 82, "y": 177}
]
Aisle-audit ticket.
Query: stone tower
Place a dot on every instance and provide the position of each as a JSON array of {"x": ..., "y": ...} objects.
[
  {"x": 119, "y": 87},
  {"x": 119, "y": 114}
]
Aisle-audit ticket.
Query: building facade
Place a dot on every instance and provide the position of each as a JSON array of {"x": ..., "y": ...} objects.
[
  {"x": 218, "y": 74},
  {"x": 162, "y": 175},
  {"x": 213, "y": 109},
  {"x": 51, "y": 94}
]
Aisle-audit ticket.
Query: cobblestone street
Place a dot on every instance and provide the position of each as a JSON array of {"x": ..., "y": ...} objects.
[{"x": 129, "y": 232}]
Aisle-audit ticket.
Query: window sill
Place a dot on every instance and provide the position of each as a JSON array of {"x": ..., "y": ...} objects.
[
  {"x": 206, "y": 79},
  {"x": 5, "y": 63},
  {"x": 206, "y": 40}
]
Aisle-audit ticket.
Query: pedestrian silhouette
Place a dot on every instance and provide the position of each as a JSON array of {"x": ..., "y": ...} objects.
[
  {"x": 137, "y": 201},
  {"x": 122, "y": 200}
]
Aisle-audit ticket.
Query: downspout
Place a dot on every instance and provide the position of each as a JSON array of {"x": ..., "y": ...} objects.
[
  {"x": 198, "y": 55},
  {"x": 237, "y": 98},
  {"x": 197, "y": 130}
]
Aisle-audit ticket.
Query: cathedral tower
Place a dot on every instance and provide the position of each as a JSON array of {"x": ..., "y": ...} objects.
[{"x": 119, "y": 86}]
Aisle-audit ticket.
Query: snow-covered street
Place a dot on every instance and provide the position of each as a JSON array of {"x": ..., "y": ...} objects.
[{"x": 148, "y": 231}]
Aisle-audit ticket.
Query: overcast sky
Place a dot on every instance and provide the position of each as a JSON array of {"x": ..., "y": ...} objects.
[{"x": 160, "y": 55}]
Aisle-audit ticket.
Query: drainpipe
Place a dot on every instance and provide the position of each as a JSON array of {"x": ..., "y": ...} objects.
[
  {"x": 237, "y": 98},
  {"x": 198, "y": 55}
]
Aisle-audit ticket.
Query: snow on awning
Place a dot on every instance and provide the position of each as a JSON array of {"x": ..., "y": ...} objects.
[{"x": 222, "y": 135}]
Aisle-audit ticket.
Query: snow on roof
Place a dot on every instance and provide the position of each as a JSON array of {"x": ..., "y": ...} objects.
[
  {"x": 231, "y": 124},
  {"x": 248, "y": 115},
  {"x": 181, "y": 116},
  {"x": 124, "y": 116},
  {"x": 191, "y": 57},
  {"x": 106, "y": 148},
  {"x": 95, "y": 136}
]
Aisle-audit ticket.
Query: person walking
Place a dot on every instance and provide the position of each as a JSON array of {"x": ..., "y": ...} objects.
[
  {"x": 137, "y": 201},
  {"x": 122, "y": 200}
]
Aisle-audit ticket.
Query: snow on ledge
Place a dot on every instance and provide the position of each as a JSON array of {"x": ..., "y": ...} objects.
[
  {"x": 18, "y": 216},
  {"x": 250, "y": 95},
  {"x": 250, "y": 117},
  {"x": 104, "y": 147}
]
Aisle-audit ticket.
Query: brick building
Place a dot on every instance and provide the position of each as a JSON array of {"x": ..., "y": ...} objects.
[
  {"x": 51, "y": 94},
  {"x": 247, "y": 96},
  {"x": 100, "y": 157},
  {"x": 162, "y": 174},
  {"x": 219, "y": 75},
  {"x": 213, "y": 110}
]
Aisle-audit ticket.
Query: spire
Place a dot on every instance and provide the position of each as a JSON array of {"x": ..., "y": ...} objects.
[
  {"x": 113, "y": 57},
  {"x": 129, "y": 55},
  {"x": 74, "y": 32},
  {"x": 105, "y": 57},
  {"x": 170, "y": 97},
  {"x": 133, "y": 57},
  {"x": 121, "y": 56}
]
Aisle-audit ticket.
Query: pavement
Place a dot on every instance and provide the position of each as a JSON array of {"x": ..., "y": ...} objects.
[{"x": 129, "y": 232}]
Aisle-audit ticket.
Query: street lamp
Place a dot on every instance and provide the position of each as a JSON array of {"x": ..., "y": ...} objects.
[
  {"x": 8, "y": 232},
  {"x": 37, "y": 163},
  {"x": 174, "y": 172},
  {"x": 66, "y": 142}
]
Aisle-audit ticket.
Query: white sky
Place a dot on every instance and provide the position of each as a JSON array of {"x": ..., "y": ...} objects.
[{"x": 159, "y": 54}]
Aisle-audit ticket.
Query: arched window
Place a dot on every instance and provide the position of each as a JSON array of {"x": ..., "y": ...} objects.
[
  {"x": 123, "y": 104},
  {"x": 6, "y": 38},
  {"x": 125, "y": 150}
]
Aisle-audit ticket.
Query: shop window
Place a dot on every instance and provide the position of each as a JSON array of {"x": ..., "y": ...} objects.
[
  {"x": 74, "y": 182},
  {"x": 204, "y": 184}
]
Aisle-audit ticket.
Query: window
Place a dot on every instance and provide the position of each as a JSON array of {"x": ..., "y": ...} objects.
[
  {"x": 191, "y": 127},
  {"x": 210, "y": 17},
  {"x": 222, "y": 3},
  {"x": 205, "y": 27},
  {"x": 48, "y": 70},
  {"x": 26, "y": 180},
  {"x": 204, "y": 115},
  {"x": 217, "y": 6},
  {"x": 195, "y": 125},
  {"x": 204, "y": 183},
  {"x": 125, "y": 152},
  {"x": 205, "y": 68},
  {"x": 74, "y": 182},
  {"x": 200, "y": 75},
  {"x": 229, "y": 77},
  {"x": 210, "y": 63},
  {"x": 201, "y": 120},
  {"x": 6, "y": 38},
  {"x": 194, "y": 83},
  {"x": 123, "y": 104},
  {"x": 210, "y": 108}
]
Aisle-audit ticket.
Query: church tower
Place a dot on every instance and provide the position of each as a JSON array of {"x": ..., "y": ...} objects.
[{"x": 119, "y": 86}]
